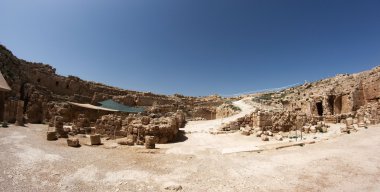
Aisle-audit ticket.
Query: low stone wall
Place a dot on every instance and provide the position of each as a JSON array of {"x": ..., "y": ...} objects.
[
  {"x": 269, "y": 121},
  {"x": 164, "y": 129},
  {"x": 370, "y": 113}
]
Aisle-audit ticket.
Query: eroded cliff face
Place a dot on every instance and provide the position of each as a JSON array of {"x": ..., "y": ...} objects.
[
  {"x": 38, "y": 85},
  {"x": 341, "y": 94},
  {"x": 355, "y": 97}
]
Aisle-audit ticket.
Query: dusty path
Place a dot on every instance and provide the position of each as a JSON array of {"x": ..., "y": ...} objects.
[
  {"x": 207, "y": 125},
  {"x": 199, "y": 138}
]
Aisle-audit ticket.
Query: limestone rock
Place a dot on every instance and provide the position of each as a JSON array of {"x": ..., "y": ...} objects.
[
  {"x": 95, "y": 139},
  {"x": 313, "y": 129},
  {"x": 349, "y": 121},
  {"x": 125, "y": 141},
  {"x": 150, "y": 142},
  {"x": 306, "y": 129},
  {"x": 73, "y": 142},
  {"x": 51, "y": 136},
  {"x": 245, "y": 132},
  {"x": 264, "y": 137},
  {"x": 173, "y": 187},
  {"x": 278, "y": 137}
]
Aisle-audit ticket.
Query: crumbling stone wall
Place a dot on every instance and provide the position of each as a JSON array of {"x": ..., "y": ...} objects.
[
  {"x": 274, "y": 121},
  {"x": 370, "y": 113},
  {"x": 38, "y": 84},
  {"x": 342, "y": 94},
  {"x": 164, "y": 129},
  {"x": 226, "y": 110}
]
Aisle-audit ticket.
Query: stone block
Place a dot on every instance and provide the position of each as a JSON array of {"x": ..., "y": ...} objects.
[
  {"x": 73, "y": 142},
  {"x": 95, "y": 139},
  {"x": 150, "y": 142},
  {"x": 51, "y": 136}
]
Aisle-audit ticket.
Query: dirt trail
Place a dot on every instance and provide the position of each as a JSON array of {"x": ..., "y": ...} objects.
[
  {"x": 199, "y": 138},
  {"x": 207, "y": 125}
]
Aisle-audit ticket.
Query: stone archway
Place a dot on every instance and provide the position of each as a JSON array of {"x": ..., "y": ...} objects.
[
  {"x": 338, "y": 105},
  {"x": 319, "y": 106},
  {"x": 331, "y": 104}
]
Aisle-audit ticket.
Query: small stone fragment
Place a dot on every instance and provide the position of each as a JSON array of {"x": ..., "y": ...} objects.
[
  {"x": 73, "y": 142},
  {"x": 51, "y": 136}
]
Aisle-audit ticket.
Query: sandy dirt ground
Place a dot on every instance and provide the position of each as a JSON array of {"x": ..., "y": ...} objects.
[
  {"x": 30, "y": 163},
  {"x": 336, "y": 162}
]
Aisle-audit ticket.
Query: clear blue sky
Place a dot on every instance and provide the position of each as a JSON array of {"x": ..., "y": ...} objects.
[{"x": 195, "y": 47}]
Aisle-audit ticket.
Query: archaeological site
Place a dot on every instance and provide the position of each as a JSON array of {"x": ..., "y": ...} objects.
[
  {"x": 76, "y": 135},
  {"x": 190, "y": 96}
]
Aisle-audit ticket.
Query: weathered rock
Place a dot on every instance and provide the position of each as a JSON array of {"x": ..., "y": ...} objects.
[
  {"x": 234, "y": 126},
  {"x": 81, "y": 125},
  {"x": 145, "y": 120},
  {"x": 278, "y": 137},
  {"x": 306, "y": 129},
  {"x": 73, "y": 142},
  {"x": 259, "y": 133},
  {"x": 343, "y": 130},
  {"x": 173, "y": 187},
  {"x": 313, "y": 129},
  {"x": 245, "y": 132},
  {"x": 349, "y": 121},
  {"x": 58, "y": 124},
  {"x": 95, "y": 139},
  {"x": 125, "y": 141},
  {"x": 150, "y": 142},
  {"x": 51, "y": 136},
  {"x": 324, "y": 129},
  {"x": 139, "y": 142},
  {"x": 264, "y": 137}
]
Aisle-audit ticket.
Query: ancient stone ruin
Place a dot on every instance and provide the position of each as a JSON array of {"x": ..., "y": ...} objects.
[
  {"x": 34, "y": 93},
  {"x": 349, "y": 99}
]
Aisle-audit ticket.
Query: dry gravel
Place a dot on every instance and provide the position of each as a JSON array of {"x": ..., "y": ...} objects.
[{"x": 28, "y": 162}]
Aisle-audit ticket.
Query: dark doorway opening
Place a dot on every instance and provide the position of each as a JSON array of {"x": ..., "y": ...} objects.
[
  {"x": 320, "y": 108},
  {"x": 338, "y": 105},
  {"x": 331, "y": 100}
]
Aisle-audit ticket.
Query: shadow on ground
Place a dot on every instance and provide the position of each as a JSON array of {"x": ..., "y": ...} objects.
[{"x": 181, "y": 137}]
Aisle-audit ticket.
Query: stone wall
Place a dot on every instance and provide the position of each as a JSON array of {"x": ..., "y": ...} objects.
[
  {"x": 38, "y": 84},
  {"x": 274, "y": 121},
  {"x": 226, "y": 110},
  {"x": 342, "y": 94},
  {"x": 164, "y": 129}
]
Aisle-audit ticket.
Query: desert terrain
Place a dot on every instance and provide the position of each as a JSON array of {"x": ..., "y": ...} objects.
[
  {"x": 338, "y": 162},
  {"x": 62, "y": 133}
]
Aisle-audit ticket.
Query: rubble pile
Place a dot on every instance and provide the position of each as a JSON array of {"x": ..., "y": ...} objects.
[
  {"x": 226, "y": 109},
  {"x": 109, "y": 125},
  {"x": 136, "y": 127},
  {"x": 81, "y": 125}
]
